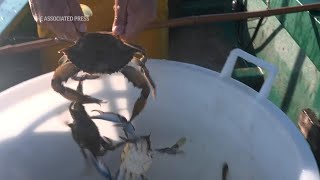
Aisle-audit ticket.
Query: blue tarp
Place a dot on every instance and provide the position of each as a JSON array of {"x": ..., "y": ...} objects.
[{"x": 9, "y": 9}]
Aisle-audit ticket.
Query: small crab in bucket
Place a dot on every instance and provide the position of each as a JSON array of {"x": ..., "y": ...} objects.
[
  {"x": 98, "y": 53},
  {"x": 86, "y": 134},
  {"x": 137, "y": 155}
]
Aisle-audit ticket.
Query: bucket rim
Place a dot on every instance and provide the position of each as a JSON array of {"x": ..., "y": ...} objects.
[{"x": 306, "y": 156}]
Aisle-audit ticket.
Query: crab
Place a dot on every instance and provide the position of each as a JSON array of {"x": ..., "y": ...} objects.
[
  {"x": 137, "y": 155},
  {"x": 98, "y": 53},
  {"x": 225, "y": 170},
  {"x": 86, "y": 134}
]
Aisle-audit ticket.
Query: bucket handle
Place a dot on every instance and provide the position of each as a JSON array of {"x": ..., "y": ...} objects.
[{"x": 231, "y": 61}]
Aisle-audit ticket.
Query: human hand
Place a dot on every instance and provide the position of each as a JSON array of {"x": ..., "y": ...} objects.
[
  {"x": 132, "y": 16},
  {"x": 68, "y": 30}
]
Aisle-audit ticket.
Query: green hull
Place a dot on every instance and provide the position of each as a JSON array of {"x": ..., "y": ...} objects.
[{"x": 291, "y": 43}]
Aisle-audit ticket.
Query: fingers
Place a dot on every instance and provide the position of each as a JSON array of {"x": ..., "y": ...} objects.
[
  {"x": 34, "y": 11},
  {"x": 131, "y": 17},
  {"x": 133, "y": 27},
  {"x": 75, "y": 10},
  {"x": 64, "y": 29},
  {"x": 120, "y": 16}
]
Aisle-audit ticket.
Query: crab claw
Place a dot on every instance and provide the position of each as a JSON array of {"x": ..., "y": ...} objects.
[
  {"x": 145, "y": 71},
  {"x": 120, "y": 121},
  {"x": 107, "y": 116},
  {"x": 175, "y": 149},
  {"x": 140, "y": 81},
  {"x": 107, "y": 143},
  {"x": 127, "y": 128},
  {"x": 106, "y": 139},
  {"x": 62, "y": 74},
  {"x": 127, "y": 140},
  {"x": 100, "y": 167}
]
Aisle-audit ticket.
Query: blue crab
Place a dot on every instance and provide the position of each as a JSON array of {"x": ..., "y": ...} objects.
[
  {"x": 97, "y": 53},
  {"x": 86, "y": 134},
  {"x": 137, "y": 155}
]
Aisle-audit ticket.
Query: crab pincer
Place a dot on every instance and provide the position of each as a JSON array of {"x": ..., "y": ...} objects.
[
  {"x": 98, "y": 165},
  {"x": 175, "y": 149},
  {"x": 119, "y": 120}
]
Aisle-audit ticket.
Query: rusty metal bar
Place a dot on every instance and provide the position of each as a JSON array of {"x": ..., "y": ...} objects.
[
  {"x": 23, "y": 47},
  {"x": 195, "y": 20}
]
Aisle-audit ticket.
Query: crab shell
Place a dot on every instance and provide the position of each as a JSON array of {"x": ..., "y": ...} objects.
[
  {"x": 136, "y": 159},
  {"x": 101, "y": 52}
]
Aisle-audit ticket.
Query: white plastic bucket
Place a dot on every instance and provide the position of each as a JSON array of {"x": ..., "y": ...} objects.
[{"x": 222, "y": 119}]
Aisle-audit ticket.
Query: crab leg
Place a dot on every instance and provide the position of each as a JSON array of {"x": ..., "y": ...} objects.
[
  {"x": 64, "y": 59},
  {"x": 141, "y": 63},
  {"x": 140, "y": 81},
  {"x": 85, "y": 77},
  {"x": 100, "y": 166},
  {"x": 62, "y": 74},
  {"x": 175, "y": 149},
  {"x": 135, "y": 46}
]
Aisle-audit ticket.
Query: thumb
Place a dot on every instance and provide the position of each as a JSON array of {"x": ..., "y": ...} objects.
[
  {"x": 120, "y": 16},
  {"x": 75, "y": 10},
  {"x": 33, "y": 11}
]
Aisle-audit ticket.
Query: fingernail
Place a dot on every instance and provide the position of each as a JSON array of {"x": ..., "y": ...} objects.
[
  {"x": 83, "y": 27},
  {"x": 118, "y": 30}
]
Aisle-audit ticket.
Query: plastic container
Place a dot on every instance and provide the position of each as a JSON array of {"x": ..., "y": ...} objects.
[{"x": 223, "y": 120}]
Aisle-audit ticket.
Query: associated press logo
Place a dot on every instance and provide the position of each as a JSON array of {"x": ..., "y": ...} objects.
[{"x": 63, "y": 18}]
